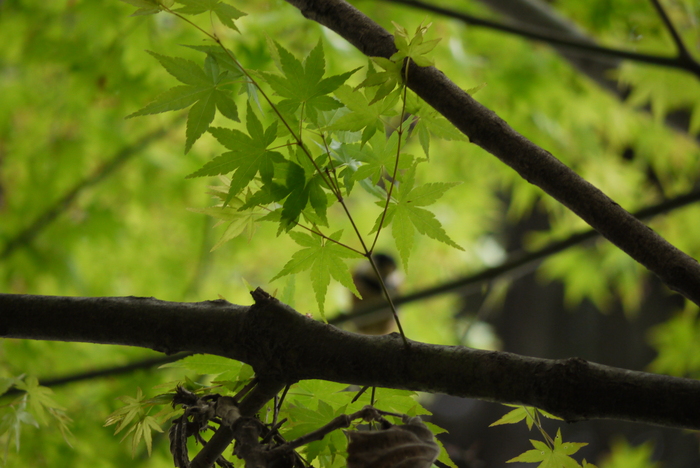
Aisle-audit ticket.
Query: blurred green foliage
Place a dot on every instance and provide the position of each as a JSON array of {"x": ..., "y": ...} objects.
[{"x": 72, "y": 70}]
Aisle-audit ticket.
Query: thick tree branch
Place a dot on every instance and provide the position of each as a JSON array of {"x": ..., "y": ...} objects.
[
  {"x": 536, "y": 165},
  {"x": 284, "y": 346}
]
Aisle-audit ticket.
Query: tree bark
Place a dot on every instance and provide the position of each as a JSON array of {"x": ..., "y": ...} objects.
[
  {"x": 284, "y": 346},
  {"x": 484, "y": 128}
]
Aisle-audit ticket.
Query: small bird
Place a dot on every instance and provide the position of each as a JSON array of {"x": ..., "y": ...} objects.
[{"x": 369, "y": 287}]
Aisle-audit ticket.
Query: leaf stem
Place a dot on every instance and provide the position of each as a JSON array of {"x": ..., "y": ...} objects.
[
  {"x": 392, "y": 181},
  {"x": 389, "y": 300}
]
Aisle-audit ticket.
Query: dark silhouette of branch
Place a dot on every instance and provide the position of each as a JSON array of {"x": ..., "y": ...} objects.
[
  {"x": 27, "y": 235},
  {"x": 284, "y": 346},
  {"x": 111, "y": 371},
  {"x": 539, "y": 167},
  {"x": 474, "y": 281},
  {"x": 515, "y": 262},
  {"x": 683, "y": 61},
  {"x": 683, "y": 54},
  {"x": 536, "y": 15},
  {"x": 264, "y": 391}
]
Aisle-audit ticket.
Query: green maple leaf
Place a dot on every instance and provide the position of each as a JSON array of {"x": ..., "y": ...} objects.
[
  {"x": 406, "y": 215},
  {"x": 558, "y": 456},
  {"x": 386, "y": 80},
  {"x": 225, "y": 12},
  {"x": 239, "y": 221},
  {"x": 364, "y": 115},
  {"x": 414, "y": 47},
  {"x": 145, "y": 7},
  {"x": 325, "y": 259},
  {"x": 249, "y": 154},
  {"x": 527, "y": 413},
  {"x": 203, "y": 89},
  {"x": 40, "y": 399},
  {"x": 11, "y": 423},
  {"x": 303, "y": 83},
  {"x": 222, "y": 57},
  {"x": 380, "y": 158},
  {"x": 429, "y": 123}
]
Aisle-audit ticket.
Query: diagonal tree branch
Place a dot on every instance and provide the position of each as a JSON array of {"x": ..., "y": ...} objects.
[
  {"x": 683, "y": 54},
  {"x": 284, "y": 346},
  {"x": 683, "y": 61},
  {"x": 34, "y": 228},
  {"x": 515, "y": 262},
  {"x": 536, "y": 165},
  {"x": 534, "y": 14}
]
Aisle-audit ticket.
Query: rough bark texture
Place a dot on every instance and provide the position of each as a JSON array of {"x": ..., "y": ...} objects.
[
  {"x": 536, "y": 165},
  {"x": 284, "y": 346}
]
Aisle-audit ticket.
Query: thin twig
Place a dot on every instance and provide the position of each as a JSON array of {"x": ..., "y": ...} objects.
[
  {"x": 517, "y": 261},
  {"x": 41, "y": 222},
  {"x": 683, "y": 53}
]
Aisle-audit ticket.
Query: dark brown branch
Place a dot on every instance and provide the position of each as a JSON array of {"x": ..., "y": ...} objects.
[
  {"x": 683, "y": 54},
  {"x": 113, "y": 371},
  {"x": 264, "y": 391},
  {"x": 536, "y": 165},
  {"x": 475, "y": 281},
  {"x": 284, "y": 346},
  {"x": 516, "y": 262},
  {"x": 682, "y": 61}
]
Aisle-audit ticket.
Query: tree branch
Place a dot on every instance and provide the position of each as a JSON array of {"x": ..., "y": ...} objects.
[
  {"x": 284, "y": 346},
  {"x": 536, "y": 165},
  {"x": 683, "y": 61},
  {"x": 683, "y": 54},
  {"x": 474, "y": 281},
  {"x": 264, "y": 391},
  {"x": 516, "y": 261},
  {"x": 539, "y": 15},
  {"x": 26, "y": 235}
]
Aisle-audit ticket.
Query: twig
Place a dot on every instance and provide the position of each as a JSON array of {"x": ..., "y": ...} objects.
[
  {"x": 516, "y": 261},
  {"x": 683, "y": 53},
  {"x": 684, "y": 61}
]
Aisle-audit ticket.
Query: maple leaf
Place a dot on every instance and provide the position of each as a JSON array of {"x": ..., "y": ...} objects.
[
  {"x": 202, "y": 87},
  {"x": 145, "y": 7},
  {"x": 379, "y": 158},
  {"x": 558, "y": 456},
  {"x": 528, "y": 413},
  {"x": 406, "y": 215},
  {"x": 429, "y": 123},
  {"x": 325, "y": 259},
  {"x": 387, "y": 80},
  {"x": 363, "y": 115},
  {"x": 414, "y": 47},
  {"x": 225, "y": 12},
  {"x": 303, "y": 83},
  {"x": 239, "y": 221},
  {"x": 249, "y": 154}
]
